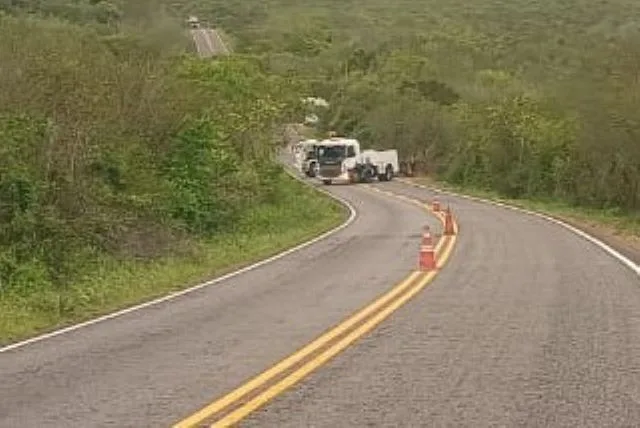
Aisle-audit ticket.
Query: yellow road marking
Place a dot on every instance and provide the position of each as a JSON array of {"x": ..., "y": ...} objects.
[
  {"x": 310, "y": 366},
  {"x": 293, "y": 378},
  {"x": 439, "y": 214},
  {"x": 369, "y": 311},
  {"x": 283, "y": 365}
]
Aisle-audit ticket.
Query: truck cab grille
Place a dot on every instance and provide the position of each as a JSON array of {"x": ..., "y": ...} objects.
[{"x": 330, "y": 170}]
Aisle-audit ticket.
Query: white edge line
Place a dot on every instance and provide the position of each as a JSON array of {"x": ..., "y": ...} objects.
[
  {"x": 611, "y": 251},
  {"x": 352, "y": 216}
]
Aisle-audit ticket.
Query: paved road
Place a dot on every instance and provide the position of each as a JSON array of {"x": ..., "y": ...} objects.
[
  {"x": 527, "y": 326},
  {"x": 153, "y": 367},
  {"x": 208, "y": 42}
]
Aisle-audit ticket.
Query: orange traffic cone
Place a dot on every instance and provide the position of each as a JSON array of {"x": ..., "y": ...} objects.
[
  {"x": 436, "y": 205},
  {"x": 427, "y": 239},
  {"x": 448, "y": 222},
  {"x": 427, "y": 258}
]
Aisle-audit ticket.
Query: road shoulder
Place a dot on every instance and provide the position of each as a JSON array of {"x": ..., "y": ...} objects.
[
  {"x": 625, "y": 241},
  {"x": 119, "y": 287}
]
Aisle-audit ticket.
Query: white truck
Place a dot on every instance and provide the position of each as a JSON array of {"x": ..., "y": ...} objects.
[
  {"x": 193, "y": 22},
  {"x": 341, "y": 159},
  {"x": 305, "y": 152}
]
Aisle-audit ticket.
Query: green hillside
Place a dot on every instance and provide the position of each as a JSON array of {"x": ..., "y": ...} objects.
[
  {"x": 128, "y": 167},
  {"x": 528, "y": 98},
  {"x": 123, "y": 156}
]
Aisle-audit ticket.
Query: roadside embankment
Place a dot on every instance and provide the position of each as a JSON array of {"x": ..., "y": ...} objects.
[{"x": 297, "y": 215}]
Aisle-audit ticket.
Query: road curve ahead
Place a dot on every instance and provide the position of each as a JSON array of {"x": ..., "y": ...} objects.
[
  {"x": 152, "y": 367},
  {"x": 528, "y": 326}
]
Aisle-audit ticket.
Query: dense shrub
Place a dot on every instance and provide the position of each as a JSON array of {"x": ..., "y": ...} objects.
[{"x": 111, "y": 149}]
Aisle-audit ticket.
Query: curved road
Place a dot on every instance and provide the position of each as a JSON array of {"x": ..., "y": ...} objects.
[
  {"x": 152, "y": 367},
  {"x": 527, "y": 325}
]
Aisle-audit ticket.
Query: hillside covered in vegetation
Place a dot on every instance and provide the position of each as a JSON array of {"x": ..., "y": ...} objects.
[
  {"x": 527, "y": 98},
  {"x": 123, "y": 155},
  {"x": 129, "y": 167}
]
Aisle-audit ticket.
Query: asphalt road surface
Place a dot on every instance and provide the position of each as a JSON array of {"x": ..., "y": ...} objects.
[
  {"x": 155, "y": 366},
  {"x": 527, "y": 325},
  {"x": 208, "y": 42}
]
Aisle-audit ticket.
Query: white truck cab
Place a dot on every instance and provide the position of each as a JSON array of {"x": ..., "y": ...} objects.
[
  {"x": 341, "y": 159},
  {"x": 193, "y": 22}
]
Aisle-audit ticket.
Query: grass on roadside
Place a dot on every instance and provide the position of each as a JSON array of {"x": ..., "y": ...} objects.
[
  {"x": 265, "y": 231},
  {"x": 626, "y": 226}
]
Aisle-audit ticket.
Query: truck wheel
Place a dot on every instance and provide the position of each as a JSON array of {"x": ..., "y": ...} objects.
[
  {"x": 313, "y": 170},
  {"x": 326, "y": 182},
  {"x": 388, "y": 173},
  {"x": 368, "y": 173}
]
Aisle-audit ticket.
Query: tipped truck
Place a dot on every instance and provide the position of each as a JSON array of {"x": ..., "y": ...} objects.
[{"x": 342, "y": 160}]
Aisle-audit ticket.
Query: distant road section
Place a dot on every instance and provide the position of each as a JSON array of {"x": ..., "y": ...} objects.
[{"x": 209, "y": 43}]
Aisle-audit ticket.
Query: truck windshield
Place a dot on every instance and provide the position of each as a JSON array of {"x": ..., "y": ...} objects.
[{"x": 331, "y": 152}]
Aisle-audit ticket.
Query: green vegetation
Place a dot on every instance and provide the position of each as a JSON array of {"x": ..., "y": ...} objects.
[
  {"x": 129, "y": 168},
  {"x": 125, "y": 158},
  {"x": 531, "y": 99},
  {"x": 112, "y": 283}
]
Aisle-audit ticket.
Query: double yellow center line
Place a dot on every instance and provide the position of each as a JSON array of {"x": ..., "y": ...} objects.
[{"x": 258, "y": 391}]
